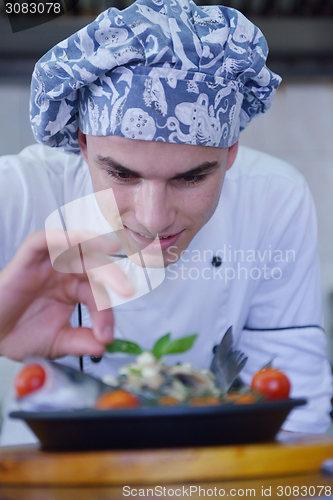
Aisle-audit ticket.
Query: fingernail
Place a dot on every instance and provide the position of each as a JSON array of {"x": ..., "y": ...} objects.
[{"x": 107, "y": 333}]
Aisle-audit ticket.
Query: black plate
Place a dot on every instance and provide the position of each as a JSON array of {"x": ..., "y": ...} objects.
[{"x": 155, "y": 427}]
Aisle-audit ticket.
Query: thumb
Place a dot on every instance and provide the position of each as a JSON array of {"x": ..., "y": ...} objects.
[
  {"x": 103, "y": 320},
  {"x": 76, "y": 342}
]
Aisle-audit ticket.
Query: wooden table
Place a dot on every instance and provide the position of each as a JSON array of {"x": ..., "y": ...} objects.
[{"x": 289, "y": 468}]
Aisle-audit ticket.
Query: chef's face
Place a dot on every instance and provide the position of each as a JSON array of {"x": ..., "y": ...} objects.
[{"x": 161, "y": 189}]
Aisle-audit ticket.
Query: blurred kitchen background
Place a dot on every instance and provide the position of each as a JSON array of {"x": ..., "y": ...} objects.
[{"x": 298, "y": 128}]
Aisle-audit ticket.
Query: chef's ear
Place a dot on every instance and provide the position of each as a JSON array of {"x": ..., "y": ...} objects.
[
  {"x": 83, "y": 144},
  {"x": 232, "y": 153}
]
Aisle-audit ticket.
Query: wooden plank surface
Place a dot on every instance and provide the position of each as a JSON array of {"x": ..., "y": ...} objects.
[{"x": 31, "y": 466}]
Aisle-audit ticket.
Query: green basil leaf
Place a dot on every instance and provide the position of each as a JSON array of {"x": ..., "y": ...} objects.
[
  {"x": 160, "y": 346},
  {"x": 166, "y": 346},
  {"x": 180, "y": 345},
  {"x": 119, "y": 345}
]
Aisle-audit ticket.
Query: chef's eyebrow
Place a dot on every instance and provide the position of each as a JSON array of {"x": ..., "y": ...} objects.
[
  {"x": 110, "y": 163},
  {"x": 201, "y": 169}
]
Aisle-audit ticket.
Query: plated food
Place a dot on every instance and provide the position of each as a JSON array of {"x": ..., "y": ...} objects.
[
  {"x": 150, "y": 404},
  {"x": 153, "y": 382},
  {"x": 43, "y": 385}
]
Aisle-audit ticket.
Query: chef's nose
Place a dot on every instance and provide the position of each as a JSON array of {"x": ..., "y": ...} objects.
[{"x": 154, "y": 208}]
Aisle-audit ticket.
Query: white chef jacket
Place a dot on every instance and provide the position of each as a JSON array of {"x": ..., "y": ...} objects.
[{"x": 267, "y": 287}]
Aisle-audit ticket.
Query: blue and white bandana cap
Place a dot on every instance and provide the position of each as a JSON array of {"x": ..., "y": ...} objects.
[{"x": 160, "y": 70}]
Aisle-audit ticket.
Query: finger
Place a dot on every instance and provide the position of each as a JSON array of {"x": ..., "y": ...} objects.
[
  {"x": 101, "y": 296},
  {"x": 103, "y": 320},
  {"x": 32, "y": 250},
  {"x": 107, "y": 244},
  {"x": 40, "y": 244},
  {"x": 89, "y": 239},
  {"x": 94, "y": 252},
  {"x": 69, "y": 249},
  {"x": 114, "y": 277},
  {"x": 76, "y": 342},
  {"x": 23, "y": 276},
  {"x": 103, "y": 325}
]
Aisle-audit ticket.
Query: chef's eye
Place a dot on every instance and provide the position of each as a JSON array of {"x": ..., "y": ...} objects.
[
  {"x": 120, "y": 176},
  {"x": 191, "y": 179}
]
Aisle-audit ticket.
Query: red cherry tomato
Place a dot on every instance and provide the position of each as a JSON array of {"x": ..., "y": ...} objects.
[
  {"x": 29, "y": 379},
  {"x": 271, "y": 383}
]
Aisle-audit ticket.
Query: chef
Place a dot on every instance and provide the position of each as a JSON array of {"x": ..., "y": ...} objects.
[{"x": 147, "y": 104}]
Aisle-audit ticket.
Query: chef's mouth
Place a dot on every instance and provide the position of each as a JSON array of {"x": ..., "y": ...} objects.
[{"x": 159, "y": 242}]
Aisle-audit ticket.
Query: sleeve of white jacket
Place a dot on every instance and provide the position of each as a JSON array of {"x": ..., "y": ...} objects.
[
  {"x": 15, "y": 208},
  {"x": 32, "y": 186},
  {"x": 26, "y": 197},
  {"x": 285, "y": 319}
]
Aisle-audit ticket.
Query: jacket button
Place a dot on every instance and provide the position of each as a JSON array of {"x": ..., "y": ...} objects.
[
  {"x": 95, "y": 359},
  {"x": 216, "y": 261}
]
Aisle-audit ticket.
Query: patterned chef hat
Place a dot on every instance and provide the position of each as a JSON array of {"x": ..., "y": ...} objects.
[{"x": 160, "y": 70}]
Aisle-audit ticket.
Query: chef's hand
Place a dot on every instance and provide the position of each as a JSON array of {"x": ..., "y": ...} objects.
[{"x": 36, "y": 301}]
